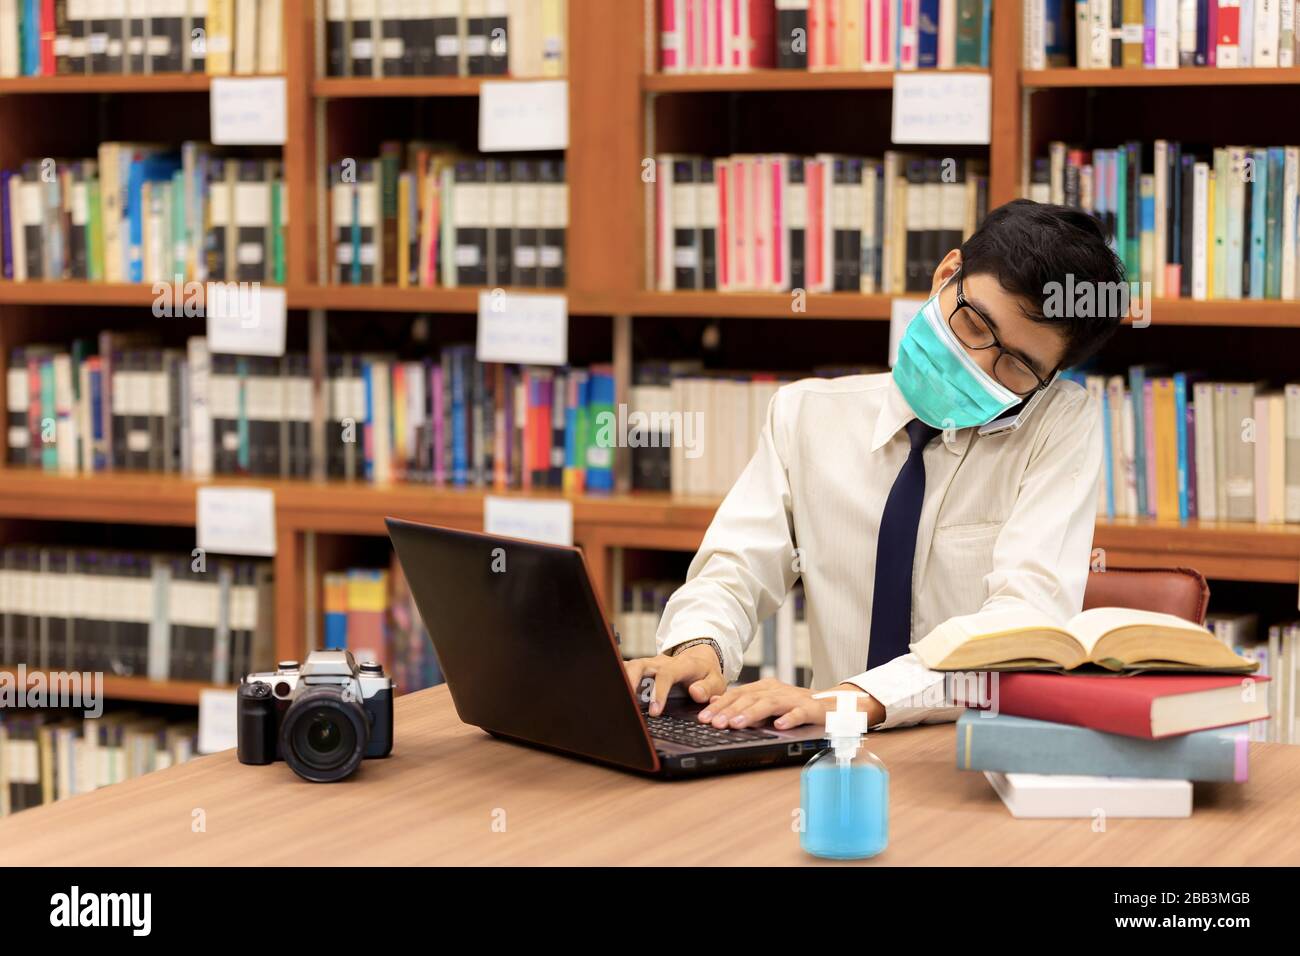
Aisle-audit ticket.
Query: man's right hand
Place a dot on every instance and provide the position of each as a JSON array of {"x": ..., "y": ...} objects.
[{"x": 695, "y": 668}]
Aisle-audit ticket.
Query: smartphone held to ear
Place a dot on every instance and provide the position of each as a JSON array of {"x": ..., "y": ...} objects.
[{"x": 1016, "y": 415}]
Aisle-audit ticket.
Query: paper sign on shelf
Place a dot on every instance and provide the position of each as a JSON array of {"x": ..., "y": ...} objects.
[
  {"x": 245, "y": 318},
  {"x": 526, "y": 329},
  {"x": 516, "y": 115},
  {"x": 901, "y": 311},
  {"x": 941, "y": 107},
  {"x": 548, "y": 520},
  {"x": 236, "y": 520},
  {"x": 217, "y": 720},
  {"x": 247, "y": 111}
]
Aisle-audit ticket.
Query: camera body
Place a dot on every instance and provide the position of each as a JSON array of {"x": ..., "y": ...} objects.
[{"x": 322, "y": 717}]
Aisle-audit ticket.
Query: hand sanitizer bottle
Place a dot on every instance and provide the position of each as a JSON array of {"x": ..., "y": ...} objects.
[{"x": 845, "y": 789}]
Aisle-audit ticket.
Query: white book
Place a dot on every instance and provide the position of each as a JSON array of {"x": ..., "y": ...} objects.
[
  {"x": 1267, "y": 25},
  {"x": 1166, "y": 34},
  {"x": 1291, "y": 508},
  {"x": 1161, "y": 162},
  {"x": 1130, "y": 458},
  {"x": 1236, "y": 216},
  {"x": 1246, "y": 33},
  {"x": 1290, "y": 196},
  {"x": 1035, "y": 35},
  {"x": 1100, "y": 15},
  {"x": 1200, "y": 220},
  {"x": 947, "y": 34},
  {"x": 9, "y": 59},
  {"x": 1286, "y": 33},
  {"x": 1203, "y": 411},
  {"x": 1186, "y": 32},
  {"x": 1046, "y": 796}
]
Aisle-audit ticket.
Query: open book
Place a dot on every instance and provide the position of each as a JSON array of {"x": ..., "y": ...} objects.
[{"x": 1115, "y": 638}]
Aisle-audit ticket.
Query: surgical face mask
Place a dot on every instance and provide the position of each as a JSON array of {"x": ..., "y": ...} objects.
[{"x": 941, "y": 382}]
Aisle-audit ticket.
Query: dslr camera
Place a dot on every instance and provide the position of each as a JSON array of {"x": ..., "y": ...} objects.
[{"x": 321, "y": 718}]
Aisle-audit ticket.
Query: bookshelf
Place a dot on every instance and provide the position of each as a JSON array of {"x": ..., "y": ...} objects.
[{"x": 614, "y": 94}]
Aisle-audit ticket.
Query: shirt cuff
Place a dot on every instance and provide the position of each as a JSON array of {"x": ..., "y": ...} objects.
[
  {"x": 731, "y": 657},
  {"x": 909, "y": 691}
]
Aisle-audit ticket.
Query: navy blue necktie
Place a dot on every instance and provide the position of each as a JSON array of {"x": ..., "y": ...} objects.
[{"x": 891, "y": 607}]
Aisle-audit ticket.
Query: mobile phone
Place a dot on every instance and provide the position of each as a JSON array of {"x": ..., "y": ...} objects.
[{"x": 1017, "y": 415}]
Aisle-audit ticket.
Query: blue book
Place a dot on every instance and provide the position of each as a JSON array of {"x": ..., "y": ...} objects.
[
  {"x": 927, "y": 34},
  {"x": 1020, "y": 745},
  {"x": 336, "y": 630},
  {"x": 367, "y": 381},
  {"x": 97, "y": 458},
  {"x": 1108, "y": 453},
  {"x": 49, "y": 409},
  {"x": 1136, "y": 386},
  {"x": 151, "y": 169},
  {"x": 1258, "y": 212},
  {"x": 31, "y": 38},
  {"x": 459, "y": 419},
  {"x": 1273, "y": 223},
  {"x": 986, "y": 30},
  {"x": 600, "y": 468},
  {"x": 1180, "y": 419}
]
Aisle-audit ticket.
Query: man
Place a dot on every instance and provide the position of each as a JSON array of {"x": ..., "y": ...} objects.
[{"x": 880, "y": 493}]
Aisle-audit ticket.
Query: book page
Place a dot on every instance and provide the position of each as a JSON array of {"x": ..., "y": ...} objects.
[{"x": 1092, "y": 625}]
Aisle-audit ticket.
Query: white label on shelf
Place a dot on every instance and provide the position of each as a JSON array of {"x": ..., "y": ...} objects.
[
  {"x": 549, "y": 521},
  {"x": 945, "y": 108},
  {"x": 245, "y": 318},
  {"x": 236, "y": 520},
  {"x": 217, "y": 709},
  {"x": 516, "y": 115},
  {"x": 248, "y": 111},
  {"x": 528, "y": 329},
  {"x": 901, "y": 311}
]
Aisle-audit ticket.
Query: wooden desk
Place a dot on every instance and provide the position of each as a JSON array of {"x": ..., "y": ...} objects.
[{"x": 434, "y": 802}]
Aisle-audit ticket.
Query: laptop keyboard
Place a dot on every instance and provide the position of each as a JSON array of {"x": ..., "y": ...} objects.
[{"x": 691, "y": 733}]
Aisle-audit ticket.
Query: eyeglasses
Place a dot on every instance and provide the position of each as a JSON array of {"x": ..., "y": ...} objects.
[{"x": 975, "y": 331}]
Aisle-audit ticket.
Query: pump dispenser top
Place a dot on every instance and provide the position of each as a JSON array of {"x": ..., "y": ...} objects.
[{"x": 846, "y": 726}]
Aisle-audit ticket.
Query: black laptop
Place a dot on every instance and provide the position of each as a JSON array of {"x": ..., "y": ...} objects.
[{"x": 530, "y": 657}]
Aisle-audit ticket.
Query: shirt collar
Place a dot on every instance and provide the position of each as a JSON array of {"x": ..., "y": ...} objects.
[{"x": 896, "y": 413}]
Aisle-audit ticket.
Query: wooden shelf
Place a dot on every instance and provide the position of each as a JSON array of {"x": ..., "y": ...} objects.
[
  {"x": 339, "y": 87},
  {"x": 377, "y": 298},
  {"x": 758, "y": 305},
  {"x": 143, "y": 689},
  {"x": 769, "y": 80},
  {"x": 1066, "y": 77},
  {"x": 108, "y": 83}
]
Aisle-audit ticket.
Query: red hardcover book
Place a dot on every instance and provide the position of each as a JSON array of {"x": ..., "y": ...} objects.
[
  {"x": 47, "y": 37},
  {"x": 1140, "y": 705}
]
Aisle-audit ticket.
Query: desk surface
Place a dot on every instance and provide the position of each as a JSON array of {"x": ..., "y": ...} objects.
[{"x": 450, "y": 794}]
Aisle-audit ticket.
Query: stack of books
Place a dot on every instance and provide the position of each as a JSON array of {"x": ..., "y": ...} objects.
[
  {"x": 139, "y": 213},
  {"x": 49, "y": 755},
  {"x": 421, "y": 216},
  {"x": 1210, "y": 224},
  {"x": 378, "y": 38},
  {"x": 1158, "y": 34},
  {"x": 825, "y": 223},
  {"x": 80, "y": 37},
  {"x": 371, "y": 612},
  {"x": 708, "y": 36},
  {"x": 1178, "y": 446},
  {"x": 128, "y": 614},
  {"x": 1153, "y": 703}
]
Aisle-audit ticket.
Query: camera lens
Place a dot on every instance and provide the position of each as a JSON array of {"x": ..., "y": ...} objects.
[{"x": 323, "y": 737}]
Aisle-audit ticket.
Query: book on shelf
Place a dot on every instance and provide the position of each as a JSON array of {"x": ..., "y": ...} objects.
[
  {"x": 1179, "y": 446},
  {"x": 1114, "y": 638},
  {"x": 421, "y": 216},
  {"x": 708, "y": 36},
  {"x": 140, "y": 37},
  {"x": 1009, "y": 744},
  {"x": 139, "y": 213},
  {"x": 1192, "y": 224},
  {"x": 444, "y": 419},
  {"x": 372, "y": 613},
  {"x": 489, "y": 38},
  {"x": 1158, "y": 34},
  {"x": 135, "y": 614},
  {"x": 824, "y": 223},
  {"x": 49, "y": 755}
]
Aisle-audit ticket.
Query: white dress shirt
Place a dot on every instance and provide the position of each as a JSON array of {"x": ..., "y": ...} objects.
[{"x": 1007, "y": 521}]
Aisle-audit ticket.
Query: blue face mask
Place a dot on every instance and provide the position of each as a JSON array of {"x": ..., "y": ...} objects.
[{"x": 941, "y": 382}]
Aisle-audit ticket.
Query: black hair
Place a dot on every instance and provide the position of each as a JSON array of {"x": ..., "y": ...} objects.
[{"x": 1031, "y": 248}]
